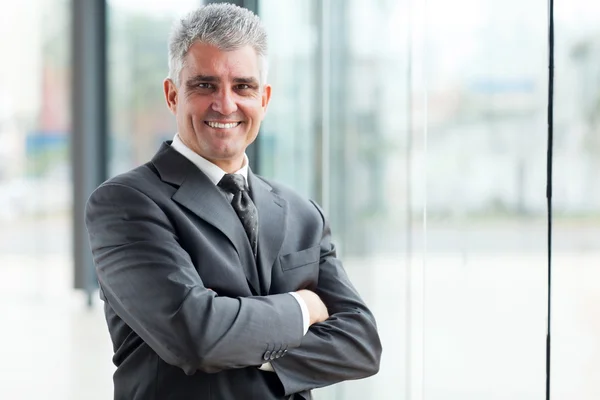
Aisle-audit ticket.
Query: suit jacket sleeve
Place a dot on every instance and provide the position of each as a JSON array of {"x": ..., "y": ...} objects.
[
  {"x": 151, "y": 283},
  {"x": 344, "y": 347}
]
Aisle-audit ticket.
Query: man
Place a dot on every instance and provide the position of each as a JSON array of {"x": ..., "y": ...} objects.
[{"x": 217, "y": 283}]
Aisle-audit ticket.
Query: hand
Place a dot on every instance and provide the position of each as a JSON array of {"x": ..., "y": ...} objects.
[{"x": 317, "y": 310}]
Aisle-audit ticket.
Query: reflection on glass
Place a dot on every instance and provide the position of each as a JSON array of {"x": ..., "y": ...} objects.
[
  {"x": 35, "y": 194},
  {"x": 287, "y": 137},
  {"x": 339, "y": 101},
  {"x": 138, "y": 64},
  {"x": 576, "y": 303},
  {"x": 485, "y": 274},
  {"x": 436, "y": 126}
]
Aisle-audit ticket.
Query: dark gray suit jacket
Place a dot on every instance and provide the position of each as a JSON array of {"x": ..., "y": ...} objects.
[{"x": 163, "y": 234}]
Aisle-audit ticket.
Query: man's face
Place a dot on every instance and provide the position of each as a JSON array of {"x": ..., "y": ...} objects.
[{"x": 219, "y": 104}]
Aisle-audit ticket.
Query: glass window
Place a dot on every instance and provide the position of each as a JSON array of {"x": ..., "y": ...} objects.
[
  {"x": 289, "y": 135},
  {"x": 576, "y": 302},
  {"x": 35, "y": 197},
  {"x": 35, "y": 183},
  {"x": 336, "y": 130},
  {"x": 429, "y": 136},
  {"x": 138, "y": 63},
  {"x": 485, "y": 257}
]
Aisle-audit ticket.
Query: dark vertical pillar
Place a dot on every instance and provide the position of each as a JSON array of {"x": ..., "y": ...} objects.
[{"x": 90, "y": 121}]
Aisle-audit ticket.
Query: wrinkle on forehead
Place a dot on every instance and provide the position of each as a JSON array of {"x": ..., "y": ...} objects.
[{"x": 240, "y": 64}]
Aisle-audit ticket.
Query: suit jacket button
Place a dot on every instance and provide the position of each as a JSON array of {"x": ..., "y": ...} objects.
[
  {"x": 280, "y": 353},
  {"x": 273, "y": 356},
  {"x": 267, "y": 356}
]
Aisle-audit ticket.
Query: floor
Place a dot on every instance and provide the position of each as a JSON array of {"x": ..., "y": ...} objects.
[{"x": 52, "y": 345}]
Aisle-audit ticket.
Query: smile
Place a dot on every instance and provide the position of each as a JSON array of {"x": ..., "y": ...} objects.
[{"x": 219, "y": 125}]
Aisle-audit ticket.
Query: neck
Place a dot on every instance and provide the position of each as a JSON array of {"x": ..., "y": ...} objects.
[{"x": 229, "y": 166}]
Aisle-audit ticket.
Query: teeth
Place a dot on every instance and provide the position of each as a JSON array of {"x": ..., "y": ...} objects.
[{"x": 222, "y": 126}]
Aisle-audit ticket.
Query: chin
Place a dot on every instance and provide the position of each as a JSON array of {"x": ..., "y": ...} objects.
[{"x": 224, "y": 154}]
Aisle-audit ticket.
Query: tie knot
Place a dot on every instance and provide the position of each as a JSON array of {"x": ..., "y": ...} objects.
[{"x": 232, "y": 183}]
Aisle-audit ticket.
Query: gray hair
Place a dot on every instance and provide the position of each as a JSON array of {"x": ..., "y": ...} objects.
[{"x": 223, "y": 25}]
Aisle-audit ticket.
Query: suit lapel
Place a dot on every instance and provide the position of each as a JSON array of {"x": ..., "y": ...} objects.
[
  {"x": 272, "y": 210},
  {"x": 199, "y": 195}
]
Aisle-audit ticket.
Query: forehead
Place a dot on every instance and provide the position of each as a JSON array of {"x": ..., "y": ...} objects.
[{"x": 204, "y": 59}]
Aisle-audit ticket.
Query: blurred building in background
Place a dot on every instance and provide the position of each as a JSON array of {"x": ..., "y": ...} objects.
[{"x": 420, "y": 126}]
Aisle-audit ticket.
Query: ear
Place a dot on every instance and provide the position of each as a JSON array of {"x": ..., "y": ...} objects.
[
  {"x": 266, "y": 97},
  {"x": 170, "y": 90}
]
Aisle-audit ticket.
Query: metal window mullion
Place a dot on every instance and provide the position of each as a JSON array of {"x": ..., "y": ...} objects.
[{"x": 90, "y": 120}]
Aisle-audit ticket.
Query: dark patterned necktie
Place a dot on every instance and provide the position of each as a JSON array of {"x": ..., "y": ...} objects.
[{"x": 243, "y": 206}]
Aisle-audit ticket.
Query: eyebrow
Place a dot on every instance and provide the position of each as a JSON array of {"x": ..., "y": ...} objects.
[
  {"x": 202, "y": 78},
  {"x": 246, "y": 80},
  {"x": 213, "y": 79}
]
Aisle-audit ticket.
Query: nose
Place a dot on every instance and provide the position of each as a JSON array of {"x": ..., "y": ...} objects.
[{"x": 224, "y": 102}]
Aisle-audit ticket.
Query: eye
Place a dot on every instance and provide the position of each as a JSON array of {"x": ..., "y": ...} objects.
[
  {"x": 243, "y": 86},
  {"x": 204, "y": 85}
]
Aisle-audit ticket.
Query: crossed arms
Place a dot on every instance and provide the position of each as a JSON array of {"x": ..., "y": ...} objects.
[{"x": 152, "y": 284}]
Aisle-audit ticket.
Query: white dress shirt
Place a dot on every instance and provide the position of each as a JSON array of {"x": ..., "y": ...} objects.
[{"x": 215, "y": 174}]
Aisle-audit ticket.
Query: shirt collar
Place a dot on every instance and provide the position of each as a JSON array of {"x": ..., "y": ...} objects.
[{"x": 214, "y": 173}]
